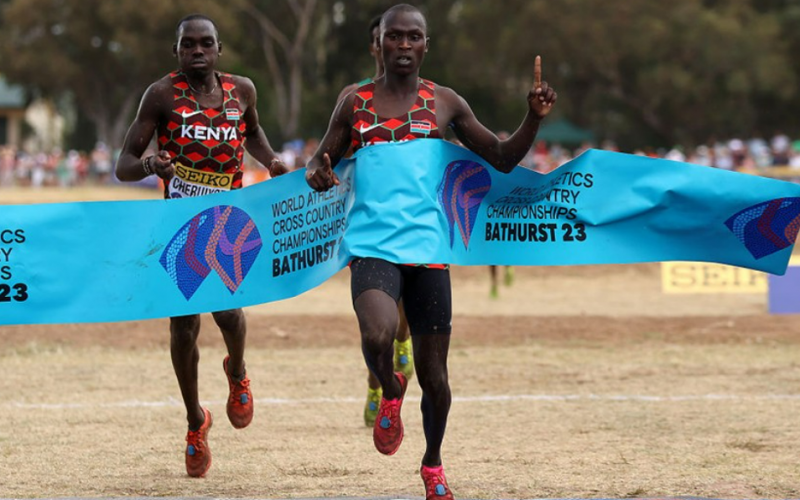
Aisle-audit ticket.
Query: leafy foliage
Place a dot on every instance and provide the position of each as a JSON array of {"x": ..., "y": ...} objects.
[{"x": 639, "y": 72}]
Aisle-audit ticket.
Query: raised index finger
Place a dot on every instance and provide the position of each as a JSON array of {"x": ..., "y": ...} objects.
[{"x": 537, "y": 72}]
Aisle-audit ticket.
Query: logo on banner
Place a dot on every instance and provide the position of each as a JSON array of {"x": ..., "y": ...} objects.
[
  {"x": 767, "y": 227},
  {"x": 223, "y": 239},
  {"x": 463, "y": 187}
]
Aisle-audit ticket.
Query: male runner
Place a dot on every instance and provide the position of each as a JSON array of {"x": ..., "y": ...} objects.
[
  {"x": 403, "y": 354},
  {"x": 203, "y": 120},
  {"x": 377, "y": 285}
]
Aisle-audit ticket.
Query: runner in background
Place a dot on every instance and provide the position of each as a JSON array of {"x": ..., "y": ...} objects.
[{"x": 508, "y": 271}]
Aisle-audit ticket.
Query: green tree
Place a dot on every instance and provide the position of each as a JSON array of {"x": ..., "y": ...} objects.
[
  {"x": 283, "y": 35},
  {"x": 103, "y": 53},
  {"x": 641, "y": 71}
]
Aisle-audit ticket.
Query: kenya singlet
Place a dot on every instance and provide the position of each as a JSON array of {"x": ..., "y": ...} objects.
[
  {"x": 206, "y": 142},
  {"x": 418, "y": 123}
]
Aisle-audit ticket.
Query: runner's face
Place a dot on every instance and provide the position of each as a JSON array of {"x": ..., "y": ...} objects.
[
  {"x": 197, "y": 48},
  {"x": 404, "y": 42}
]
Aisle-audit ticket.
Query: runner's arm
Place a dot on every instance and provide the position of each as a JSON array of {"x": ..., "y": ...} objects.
[
  {"x": 319, "y": 170},
  {"x": 255, "y": 140},
  {"x": 502, "y": 155},
  {"x": 130, "y": 164}
]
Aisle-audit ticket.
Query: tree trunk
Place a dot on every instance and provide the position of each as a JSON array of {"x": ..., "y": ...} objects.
[
  {"x": 120, "y": 120},
  {"x": 287, "y": 78}
]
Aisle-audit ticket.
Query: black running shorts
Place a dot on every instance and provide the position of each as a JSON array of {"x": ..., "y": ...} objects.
[{"x": 426, "y": 294}]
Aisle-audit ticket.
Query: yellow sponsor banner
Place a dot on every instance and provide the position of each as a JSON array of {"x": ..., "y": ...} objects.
[{"x": 706, "y": 277}]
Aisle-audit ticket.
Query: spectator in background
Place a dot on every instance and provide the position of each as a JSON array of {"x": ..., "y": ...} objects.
[
  {"x": 508, "y": 271},
  {"x": 101, "y": 163},
  {"x": 609, "y": 145},
  {"x": 585, "y": 146},
  {"x": 675, "y": 154},
  {"x": 540, "y": 157},
  {"x": 309, "y": 148},
  {"x": 73, "y": 167},
  {"x": 780, "y": 145},
  {"x": 291, "y": 152},
  {"x": 700, "y": 156},
  {"x": 723, "y": 157},
  {"x": 38, "y": 170},
  {"x": 794, "y": 157},
  {"x": 738, "y": 152},
  {"x": 760, "y": 151},
  {"x": 8, "y": 162}
]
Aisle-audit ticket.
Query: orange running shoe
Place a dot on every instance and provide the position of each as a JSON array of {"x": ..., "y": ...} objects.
[
  {"x": 240, "y": 399},
  {"x": 198, "y": 454},
  {"x": 435, "y": 483},
  {"x": 387, "y": 433}
]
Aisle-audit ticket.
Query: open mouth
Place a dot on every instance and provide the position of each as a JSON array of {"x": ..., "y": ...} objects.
[{"x": 403, "y": 60}]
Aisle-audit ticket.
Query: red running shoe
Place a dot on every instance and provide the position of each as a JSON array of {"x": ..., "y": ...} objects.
[
  {"x": 240, "y": 399},
  {"x": 387, "y": 433},
  {"x": 198, "y": 454},
  {"x": 435, "y": 483}
]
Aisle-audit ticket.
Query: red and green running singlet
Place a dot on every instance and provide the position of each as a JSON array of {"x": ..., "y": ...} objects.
[
  {"x": 418, "y": 123},
  {"x": 207, "y": 143}
]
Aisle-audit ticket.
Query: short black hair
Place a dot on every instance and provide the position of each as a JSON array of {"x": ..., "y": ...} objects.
[
  {"x": 403, "y": 7},
  {"x": 375, "y": 23},
  {"x": 195, "y": 17}
]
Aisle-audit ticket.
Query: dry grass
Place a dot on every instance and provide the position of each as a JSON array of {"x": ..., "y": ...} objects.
[
  {"x": 598, "y": 440},
  {"x": 22, "y": 196}
]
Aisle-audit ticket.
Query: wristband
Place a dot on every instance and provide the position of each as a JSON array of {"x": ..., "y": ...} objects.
[{"x": 148, "y": 170}]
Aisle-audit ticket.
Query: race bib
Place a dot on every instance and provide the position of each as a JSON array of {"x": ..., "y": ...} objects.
[{"x": 188, "y": 182}]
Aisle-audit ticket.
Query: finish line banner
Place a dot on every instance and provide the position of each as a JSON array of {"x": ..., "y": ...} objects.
[
  {"x": 600, "y": 208},
  {"x": 117, "y": 261},
  {"x": 424, "y": 201}
]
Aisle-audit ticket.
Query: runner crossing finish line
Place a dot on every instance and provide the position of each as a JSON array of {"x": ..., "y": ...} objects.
[{"x": 420, "y": 201}]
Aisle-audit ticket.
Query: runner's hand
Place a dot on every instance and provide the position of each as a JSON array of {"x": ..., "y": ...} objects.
[
  {"x": 541, "y": 97},
  {"x": 322, "y": 178},
  {"x": 277, "y": 167},
  {"x": 163, "y": 165}
]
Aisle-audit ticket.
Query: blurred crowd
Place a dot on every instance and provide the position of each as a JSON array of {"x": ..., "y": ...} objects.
[
  {"x": 75, "y": 168},
  {"x": 731, "y": 154},
  {"x": 56, "y": 168},
  {"x": 749, "y": 155}
]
